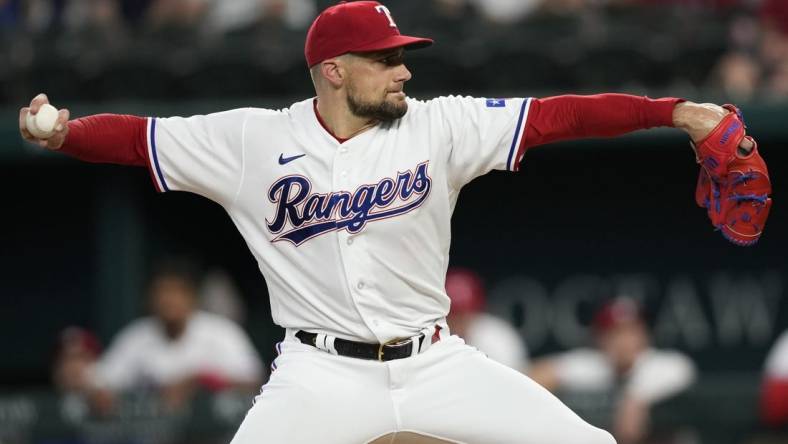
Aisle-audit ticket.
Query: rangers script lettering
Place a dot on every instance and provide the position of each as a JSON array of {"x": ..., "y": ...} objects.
[{"x": 342, "y": 210}]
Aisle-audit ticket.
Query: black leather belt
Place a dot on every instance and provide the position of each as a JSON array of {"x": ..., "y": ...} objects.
[{"x": 377, "y": 352}]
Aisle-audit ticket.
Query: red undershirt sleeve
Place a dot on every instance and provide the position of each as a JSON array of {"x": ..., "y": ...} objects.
[
  {"x": 109, "y": 138},
  {"x": 568, "y": 117}
]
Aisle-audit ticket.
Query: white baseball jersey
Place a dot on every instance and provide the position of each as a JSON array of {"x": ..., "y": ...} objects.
[
  {"x": 655, "y": 376},
  {"x": 142, "y": 354},
  {"x": 352, "y": 238}
]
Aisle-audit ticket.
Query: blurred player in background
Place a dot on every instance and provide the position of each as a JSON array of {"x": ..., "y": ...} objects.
[
  {"x": 774, "y": 394},
  {"x": 77, "y": 351},
  {"x": 178, "y": 349},
  {"x": 491, "y": 335},
  {"x": 624, "y": 362}
]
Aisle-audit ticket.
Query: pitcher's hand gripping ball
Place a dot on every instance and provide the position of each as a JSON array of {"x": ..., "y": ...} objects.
[{"x": 733, "y": 186}]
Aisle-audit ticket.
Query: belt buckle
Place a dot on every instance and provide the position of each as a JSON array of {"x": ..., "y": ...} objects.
[{"x": 398, "y": 342}]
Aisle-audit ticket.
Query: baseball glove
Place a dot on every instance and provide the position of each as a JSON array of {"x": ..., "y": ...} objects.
[{"x": 733, "y": 185}]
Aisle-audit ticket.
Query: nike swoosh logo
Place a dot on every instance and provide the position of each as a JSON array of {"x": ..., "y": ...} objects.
[{"x": 283, "y": 160}]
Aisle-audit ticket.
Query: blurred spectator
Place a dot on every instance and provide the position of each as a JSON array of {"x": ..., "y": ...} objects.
[
  {"x": 774, "y": 14},
  {"x": 625, "y": 360},
  {"x": 178, "y": 349},
  {"x": 578, "y": 45},
  {"x": 755, "y": 64},
  {"x": 450, "y": 8},
  {"x": 708, "y": 4},
  {"x": 505, "y": 12},
  {"x": 79, "y": 15},
  {"x": 42, "y": 15},
  {"x": 77, "y": 351},
  {"x": 222, "y": 17},
  {"x": 777, "y": 85},
  {"x": 295, "y": 14},
  {"x": 739, "y": 76},
  {"x": 9, "y": 13},
  {"x": 213, "y": 16},
  {"x": 774, "y": 393},
  {"x": 774, "y": 47},
  {"x": 467, "y": 319}
]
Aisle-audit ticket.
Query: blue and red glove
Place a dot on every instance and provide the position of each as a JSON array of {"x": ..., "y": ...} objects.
[{"x": 733, "y": 186}]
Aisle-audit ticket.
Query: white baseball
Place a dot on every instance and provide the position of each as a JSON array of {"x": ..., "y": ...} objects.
[{"x": 42, "y": 124}]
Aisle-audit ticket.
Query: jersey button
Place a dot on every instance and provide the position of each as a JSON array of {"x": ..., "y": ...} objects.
[
  {"x": 343, "y": 150},
  {"x": 360, "y": 285},
  {"x": 350, "y": 241}
]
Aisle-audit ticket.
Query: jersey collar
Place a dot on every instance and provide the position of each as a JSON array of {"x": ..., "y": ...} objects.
[{"x": 320, "y": 120}]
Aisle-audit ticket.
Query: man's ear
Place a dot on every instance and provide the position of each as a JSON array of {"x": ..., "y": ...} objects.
[{"x": 333, "y": 71}]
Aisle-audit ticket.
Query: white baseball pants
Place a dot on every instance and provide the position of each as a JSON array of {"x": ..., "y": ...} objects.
[{"x": 449, "y": 393}]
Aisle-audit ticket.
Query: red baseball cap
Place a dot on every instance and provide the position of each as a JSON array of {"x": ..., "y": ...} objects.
[
  {"x": 615, "y": 313},
  {"x": 80, "y": 339},
  {"x": 362, "y": 26}
]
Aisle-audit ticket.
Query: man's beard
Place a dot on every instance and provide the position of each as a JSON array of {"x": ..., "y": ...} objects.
[{"x": 383, "y": 111}]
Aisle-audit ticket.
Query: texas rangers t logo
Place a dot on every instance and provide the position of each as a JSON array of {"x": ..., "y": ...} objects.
[
  {"x": 311, "y": 214},
  {"x": 384, "y": 10}
]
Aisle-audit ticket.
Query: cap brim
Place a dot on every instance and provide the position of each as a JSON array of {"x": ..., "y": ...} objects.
[{"x": 395, "y": 41}]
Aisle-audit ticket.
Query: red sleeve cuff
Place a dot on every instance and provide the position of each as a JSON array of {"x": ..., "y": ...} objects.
[{"x": 659, "y": 112}]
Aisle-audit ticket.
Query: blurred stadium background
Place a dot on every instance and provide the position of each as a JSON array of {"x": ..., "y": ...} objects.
[{"x": 582, "y": 222}]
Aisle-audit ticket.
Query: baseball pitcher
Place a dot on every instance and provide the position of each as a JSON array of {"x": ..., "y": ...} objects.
[{"x": 345, "y": 200}]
